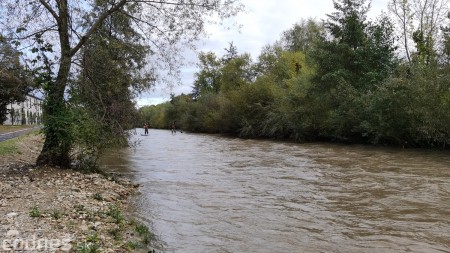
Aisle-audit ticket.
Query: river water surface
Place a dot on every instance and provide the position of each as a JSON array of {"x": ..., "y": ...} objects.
[{"x": 208, "y": 193}]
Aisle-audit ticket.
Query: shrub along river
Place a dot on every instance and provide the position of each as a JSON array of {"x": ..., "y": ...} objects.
[{"x": 209, "y": 193}]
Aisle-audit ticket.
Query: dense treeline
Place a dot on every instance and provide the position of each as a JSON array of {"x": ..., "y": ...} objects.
[{"x": 341, "y": 80}]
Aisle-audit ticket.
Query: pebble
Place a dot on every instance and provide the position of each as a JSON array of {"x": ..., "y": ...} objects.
[
  {"x": 12, "y": 232},
  {"x": 12, "y": 215}
]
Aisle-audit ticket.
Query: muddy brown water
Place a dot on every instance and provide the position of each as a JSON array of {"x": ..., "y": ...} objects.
[{"x": 207, "y": 193}]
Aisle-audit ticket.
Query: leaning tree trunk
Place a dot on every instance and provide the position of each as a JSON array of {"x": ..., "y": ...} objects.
[{"x": 58, "y": 143}]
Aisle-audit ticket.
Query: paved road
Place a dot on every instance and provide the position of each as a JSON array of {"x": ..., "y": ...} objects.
[{"x": 10, "y": 135}]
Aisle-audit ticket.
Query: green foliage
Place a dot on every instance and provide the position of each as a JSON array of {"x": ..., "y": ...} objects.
[
  {"x": 178, "y": 107},
  {"x": 98, "y": 196},
  {"x": 92, "y": 238},
  {"x": 88, "y": 248},
  {"x": 35, "y": 212},
  {"x": 424, "y": 45},
  {"x": 141, "y": 229},
  {"x": 101, "y": 98},
  {"x": 200, "y": 116},
  {"x": 155, "y": 115},
  {"x": 144, "y": 233},
  {"x": 207, "y": 80},
  {"x": 115, "y": 213},
  {"x": 116, "y": 233},
  {"x": 303, "y": 36},
  {"x": 57, "y": 121},
  {"x": 253, "y": 105},
  {"x": 132, "y": 245},
  {"x": 350, "y": 66},
  {"x": 236, "y": 73},
  {"x": 445, "y": 55}
]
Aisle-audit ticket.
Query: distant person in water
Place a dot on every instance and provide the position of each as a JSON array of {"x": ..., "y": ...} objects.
[
  {"x": 146, "y": 128},
  {"x": 173, "y": 128}
]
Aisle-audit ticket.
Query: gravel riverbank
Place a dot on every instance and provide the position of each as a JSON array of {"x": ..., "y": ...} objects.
[{"x": 46, "y": 209}]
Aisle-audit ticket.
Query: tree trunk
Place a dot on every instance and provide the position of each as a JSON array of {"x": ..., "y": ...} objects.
[{"x": 57, "y": 143}]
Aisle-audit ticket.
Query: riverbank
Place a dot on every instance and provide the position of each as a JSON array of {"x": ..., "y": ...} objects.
[{"x": 46, "y": 209}]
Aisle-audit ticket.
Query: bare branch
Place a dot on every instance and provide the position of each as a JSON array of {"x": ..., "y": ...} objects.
[
  {"x": 49, "y": 8},
  {"x": 41, "y": 31}
]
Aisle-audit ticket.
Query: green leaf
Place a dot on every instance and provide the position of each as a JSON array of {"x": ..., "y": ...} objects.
[{"x": 20, "y": 29}]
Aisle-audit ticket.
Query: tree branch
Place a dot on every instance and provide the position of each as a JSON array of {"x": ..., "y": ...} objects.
[
  {"x": 96, "y": 25},
  {"x": 49, "y": 8},
  {"x": 42, "y": 31}
]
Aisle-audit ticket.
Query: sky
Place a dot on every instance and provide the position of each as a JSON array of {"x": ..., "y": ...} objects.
[{"x": 261, "y": 24}]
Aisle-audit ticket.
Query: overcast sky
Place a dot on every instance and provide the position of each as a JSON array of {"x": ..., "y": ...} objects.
[{"x": 261, "y": 24}]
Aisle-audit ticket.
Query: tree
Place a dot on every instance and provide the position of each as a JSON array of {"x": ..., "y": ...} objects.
[
  {"x": 165, "y": 25},
  {"x": 446, "y": 42},
  {"x": 236, "y": 73},
  {"x": 112, "y": 70},
  {"x": 338, "y": 57},
  {"x": 231, "y": 54},
  {"x": 356, "y": 57},
  {"x": 15, "y": 80},
  {"x": 347, "y": 25},
  {"x": 303, "y": 36},
  {"x": 155, "y": 115},
  {"x": 402, "y": 13},
  {"x": 222, "y": 74},
  {"x": 267, "y": 59},
  {"x": 419, "y": 21},
  {"x": 208, "y": 78}
]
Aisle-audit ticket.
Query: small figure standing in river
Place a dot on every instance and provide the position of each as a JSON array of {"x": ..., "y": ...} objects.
[
  {"x": 146, "y": 128},
  {"x": 173, "y": 128}
]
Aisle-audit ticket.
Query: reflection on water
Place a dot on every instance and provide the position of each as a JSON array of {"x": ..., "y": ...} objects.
[{"x": 206, "y": 193}]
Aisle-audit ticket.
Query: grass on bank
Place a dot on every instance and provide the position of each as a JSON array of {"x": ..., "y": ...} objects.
[
  {"x": 9, "y": 146},
  {"x": 13, "y": 146}
]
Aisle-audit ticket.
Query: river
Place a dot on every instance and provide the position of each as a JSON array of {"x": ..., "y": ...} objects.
[{"x": 209, "y": 193}]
